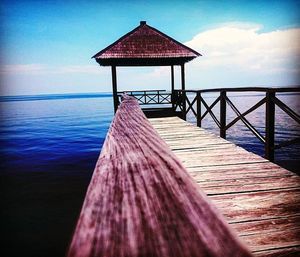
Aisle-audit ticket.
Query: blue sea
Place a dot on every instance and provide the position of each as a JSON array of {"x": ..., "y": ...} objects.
[{"x": 49, "y": 147}]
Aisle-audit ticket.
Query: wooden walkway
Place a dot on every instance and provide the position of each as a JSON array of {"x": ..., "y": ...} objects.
[
  {"x": 141, "y": 201},
  {"x": 259, "y": 199}
]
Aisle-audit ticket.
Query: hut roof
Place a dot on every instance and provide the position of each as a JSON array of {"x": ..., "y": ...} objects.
[{"x": 145, "y": 46}]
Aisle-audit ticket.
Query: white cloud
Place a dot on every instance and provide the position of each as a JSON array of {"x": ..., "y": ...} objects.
[
  {"x": 87, "y": 69},
  {"x": 234, "y": 53},
  {"x": 22, "y": 69}
]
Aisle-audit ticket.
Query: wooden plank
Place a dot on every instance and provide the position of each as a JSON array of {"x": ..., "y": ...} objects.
[
  {"x": 259, "y": 205},
  {"x": 263, "y": 235},
  {"x": 205, "y": 176},
  {"x": 249, "y": 185},
  {"x": 219, "y": 177},
  {"x": 267, "y": 226},
  {"x": 217, "y": 153},
  {"x": 266, "y": 241},
  {"x": 220, "y": 160},
  {"x": 142, "y": 202},
  {"x": 185, "y": 135},
  {"x": 207, "y": 144},
  {"x": 191, "y": 149},
  {"x": 281, "y": 252},
  {"x": 249, "y": 168},
  {"x": 196, "y": 146},
  {"x": 202, "y": 141}
]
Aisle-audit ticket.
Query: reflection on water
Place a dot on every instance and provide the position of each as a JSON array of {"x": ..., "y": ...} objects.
[{"x": 49, "y": 146}]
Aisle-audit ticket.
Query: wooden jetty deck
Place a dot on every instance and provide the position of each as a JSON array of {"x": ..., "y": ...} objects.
[
  {"x": 141, "y": 202},
  {"x": 160, "y": 189},
  {"x": 259, "y": 199}
]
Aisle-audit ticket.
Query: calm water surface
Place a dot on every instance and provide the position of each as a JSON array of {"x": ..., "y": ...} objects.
[
  {"x": 49, "y": 147},
  {"x": 48, "y": 151}
]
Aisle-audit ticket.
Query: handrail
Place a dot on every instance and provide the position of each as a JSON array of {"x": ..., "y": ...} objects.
[
  {"x": 142, "y": 202},
  {"x": 149, "y": 97},
  {"x": 244, "y": 89},
  {"x": 152, "y": 90},
  {"x": 185, "y": 101}
]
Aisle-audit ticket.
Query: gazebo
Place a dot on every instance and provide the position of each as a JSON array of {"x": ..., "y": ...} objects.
[{"x": 145, "y": 46}]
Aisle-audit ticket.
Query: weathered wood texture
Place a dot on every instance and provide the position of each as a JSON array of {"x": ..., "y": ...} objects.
[
  {"x": 259, "y": 199},
  {"x": 142, "y": 202}
]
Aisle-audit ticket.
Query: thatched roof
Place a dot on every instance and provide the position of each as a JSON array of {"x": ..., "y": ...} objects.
[{"x": 145, "y": 46}]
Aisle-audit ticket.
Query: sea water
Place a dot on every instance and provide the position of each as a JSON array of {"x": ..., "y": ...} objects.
[{"x": 50, "y": 145}]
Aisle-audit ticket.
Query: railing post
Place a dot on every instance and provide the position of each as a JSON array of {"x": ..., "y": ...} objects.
[
  {"x": 173, "y": 100},
  {"x": 172, "y": 88},
  {"x": 223, "y": 114},
  {"x": 183, "y": 92},
  {"x": 114, "y": 86},
  {"x": 183, "y": 105},
  {"x": 145, "y": 97},
  {"x": 198, "y": 109},
  {"x": 270, "y": 125},
  {"x": 158, "y": 96}
]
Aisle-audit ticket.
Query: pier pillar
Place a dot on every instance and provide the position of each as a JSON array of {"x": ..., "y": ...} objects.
[
  {"x": 182, "y": 77},
  {"x": 172, "y": 78},
  {"x": 270, "y": 126},
  {"x": 223, "y": 114},
  {"x": 172, "y": 87},
  {"x": 198, "y": 109},
  {"x": 183, "y": 93},
  {"x": 114, "y": 86}
]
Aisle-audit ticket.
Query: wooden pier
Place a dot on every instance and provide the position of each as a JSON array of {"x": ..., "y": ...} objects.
[
  {"x": 147, "y": 195},
  {"x": 141, "y": 202},
  {"x": 163, "y": 187},
  {"x": 259, "y": 199}
]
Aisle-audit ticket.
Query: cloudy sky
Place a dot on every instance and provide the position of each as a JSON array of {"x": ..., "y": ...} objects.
[{"x": 46, "y": 46}]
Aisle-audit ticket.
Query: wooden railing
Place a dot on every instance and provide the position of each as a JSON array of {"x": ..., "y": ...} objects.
[
  {"x": 192, "y": 101},
  {"x": 147, "y": 97},
  {"x": 142, "y": 202}
]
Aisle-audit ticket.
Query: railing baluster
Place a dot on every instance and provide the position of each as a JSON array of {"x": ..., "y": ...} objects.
[
  {"x": 254, "y": 107},
  {"x": 245, "y": 121},
  {"x": 287, "y": 109},
  {"x": 198, "y": 109},
  {"x": 209, "y": 110},
  {"x": 270, "y": 126},
  {"x": 223, "y": 114},
  {"x": 183, "y": 105}
]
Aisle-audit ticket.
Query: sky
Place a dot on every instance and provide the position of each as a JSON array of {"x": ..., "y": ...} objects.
[{"x": 46, "y": 46}]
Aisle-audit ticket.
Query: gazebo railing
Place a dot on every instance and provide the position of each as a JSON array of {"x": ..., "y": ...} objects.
[
  {"x": 192, "y": 101},
  {"x": 145, "y": 97}
]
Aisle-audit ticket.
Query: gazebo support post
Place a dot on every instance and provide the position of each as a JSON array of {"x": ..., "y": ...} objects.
[
  {"x": 114, "y": 87},
  {"x": 183, "y": 93},
  {"x": 172, "y": 87}
]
